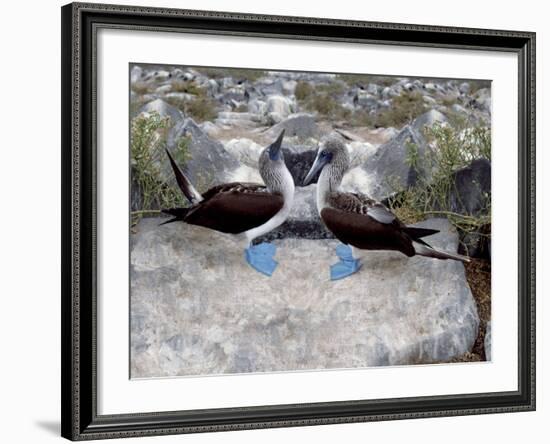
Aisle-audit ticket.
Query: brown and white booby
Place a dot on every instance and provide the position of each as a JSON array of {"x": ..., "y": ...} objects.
[
  {"x": 359, "y": 221},
  {"x": 245, "y": 210}
]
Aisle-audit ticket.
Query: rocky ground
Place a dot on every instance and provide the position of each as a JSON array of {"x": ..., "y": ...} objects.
[
  {"x": 198, "y": 308},
  {"x": 226, "y": 117}
]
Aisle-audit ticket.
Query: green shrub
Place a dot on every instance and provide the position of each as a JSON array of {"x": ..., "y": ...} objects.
[
  {"x": 322, "y": 99},
  {"x": 303, "y": 90},
  {"x": 147, "y": 143},
  {"x": 242, "y": 108},
  {"x": 364, "y": 79},
  {"x": 142, "y": 88},
  {"x": 404, "y": 109},
  {"x": 188, "y": 87},
  {"x": 250, "y": 75},
  {"x": 202, "y": 109},
  {"x": 453, "y": 149}
]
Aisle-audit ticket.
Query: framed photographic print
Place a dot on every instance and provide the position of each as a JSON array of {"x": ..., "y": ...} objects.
[{"x": 279, "y": 221}]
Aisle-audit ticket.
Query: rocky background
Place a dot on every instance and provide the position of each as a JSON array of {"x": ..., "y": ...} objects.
[{"x": 420, "y": 145}]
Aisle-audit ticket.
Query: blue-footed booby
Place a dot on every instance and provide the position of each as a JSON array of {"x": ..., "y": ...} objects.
[
  {"x": 245, "y": 210},
  {"x": 359, "y": 221}
]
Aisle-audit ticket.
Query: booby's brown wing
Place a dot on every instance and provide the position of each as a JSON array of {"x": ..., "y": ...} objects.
[
  {"x": 357, "y": 220},
  {"x": 234, "y": 207}
]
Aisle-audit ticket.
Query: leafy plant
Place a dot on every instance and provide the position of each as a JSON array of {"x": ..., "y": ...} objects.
[
  {"x": 147, "y": 143},
  {"x": 404, "y": 108},
  {"x": 452, "y": 149},
  {"x": 303, "y": 90},
  {"x": 322, "y": 99},
  {"x": 364, "y": 79},
  {"x": 250, "y": 75},
  {"x": 201, "y": 108}
]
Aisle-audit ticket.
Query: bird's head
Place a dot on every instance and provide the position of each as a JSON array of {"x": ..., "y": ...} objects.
[
  {"x": 332, "y": 154},
  {"x": 273, "y": 168},
  {"x": 274, "y": 151}
]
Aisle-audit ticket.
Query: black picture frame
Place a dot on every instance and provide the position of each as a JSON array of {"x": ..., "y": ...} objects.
[{"x": 80, "y": 420}]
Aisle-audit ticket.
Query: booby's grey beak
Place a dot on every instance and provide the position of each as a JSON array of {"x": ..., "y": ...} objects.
[
  {"x": 275, "y": 147},
  {"x": 318, "y": 165}
]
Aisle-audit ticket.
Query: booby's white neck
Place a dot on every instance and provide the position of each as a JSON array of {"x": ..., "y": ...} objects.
[
  {"x": 327, "y": 183},
  {"x": 281, "y": 215}
]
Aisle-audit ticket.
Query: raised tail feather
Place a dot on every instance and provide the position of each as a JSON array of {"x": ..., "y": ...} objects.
[
  {"x": 184, "y": 183},
  {"x": 424, "y": 249}
]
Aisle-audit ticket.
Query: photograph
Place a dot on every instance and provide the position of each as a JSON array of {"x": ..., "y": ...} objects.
[{"x": 285, "y": 221}]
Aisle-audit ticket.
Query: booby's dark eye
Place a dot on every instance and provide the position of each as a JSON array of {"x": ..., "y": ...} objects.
[{"x": 323, "y": 153}]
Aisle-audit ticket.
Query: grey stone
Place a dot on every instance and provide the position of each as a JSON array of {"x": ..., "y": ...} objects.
[
  {"x": 482, "y": 100},
  {"x": 299, "y": 163},
  {"x": 158, "y": 75},
  {"x": 389, "y": 163},
  {"x": 208, "y": 161},
  {"x": 471, "y": 195},
  {"x": 180, "y": 96},
  {"x": 299, "y": 125},
  {"x": 459, "y": 109},
  {"x": 289, "y": 86},
  {"x": 464, "y": 88},
  {"x": 278, "y": 108},
  {"x": 164, "y": 110},
  {"x": 163, "y": 89},
  {"x": 245, "y": 151},
  {"x": 197, "y": 308},
  {"x": 488, "y": 341},
  {"x": 136, "y": 73},
  {"x": 428, "y": 119}
]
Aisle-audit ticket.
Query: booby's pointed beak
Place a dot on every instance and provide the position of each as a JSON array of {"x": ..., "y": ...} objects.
[
  {"x": 318, "y": 165},
  {"x": 275, "y": 147}
]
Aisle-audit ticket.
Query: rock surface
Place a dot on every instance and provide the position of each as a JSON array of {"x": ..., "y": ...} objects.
[
  {"x": 164, "y": 110},
  {"x": 208, "y": 161},
  {"x": 197, "y": 308}
]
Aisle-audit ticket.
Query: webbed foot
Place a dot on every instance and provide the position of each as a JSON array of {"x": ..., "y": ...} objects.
[
  {"x": 347, "y": 264},
  {"x": 260, "y": 257}
]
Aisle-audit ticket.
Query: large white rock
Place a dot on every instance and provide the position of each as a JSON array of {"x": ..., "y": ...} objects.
[
  {"x": 245, "y": 150},
  {"x": 197, "y": 308},
  {"x": 278, "y": 108}
]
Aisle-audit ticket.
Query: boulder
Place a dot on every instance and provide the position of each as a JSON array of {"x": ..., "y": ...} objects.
[
  {"x": 288, "y": 87},
  {"x": 365, "y": 100},
  {"x": 482, "y": 100},
  {"x": 257, "y": 107},
  {"x": 471, "y": 195},
  {"x": 208, "y": 162},
  {"x": 136, "y": 74},
  {"x": 198, "y": 309},
  {"x": 278, "y": 108},
  {"x": 301, "y": 125},
  {"x": 180, "y": 97},
  {"x": 388, "y": 166},
  {"x": 299, "y": 163},
  {"x": 464, "y": 88},
  {"x": 163, "y": 89},
  {"x": 211, "y": 129},
  {"x": 245, "y": 151},
  {"x": 164, "y": 110},
  {"x": 243, "y": 121}
]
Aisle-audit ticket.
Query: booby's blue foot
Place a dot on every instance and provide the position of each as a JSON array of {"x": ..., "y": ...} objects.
[
  {"x": 260, "y": 257},
  {"x": 347, "y": 264}
]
